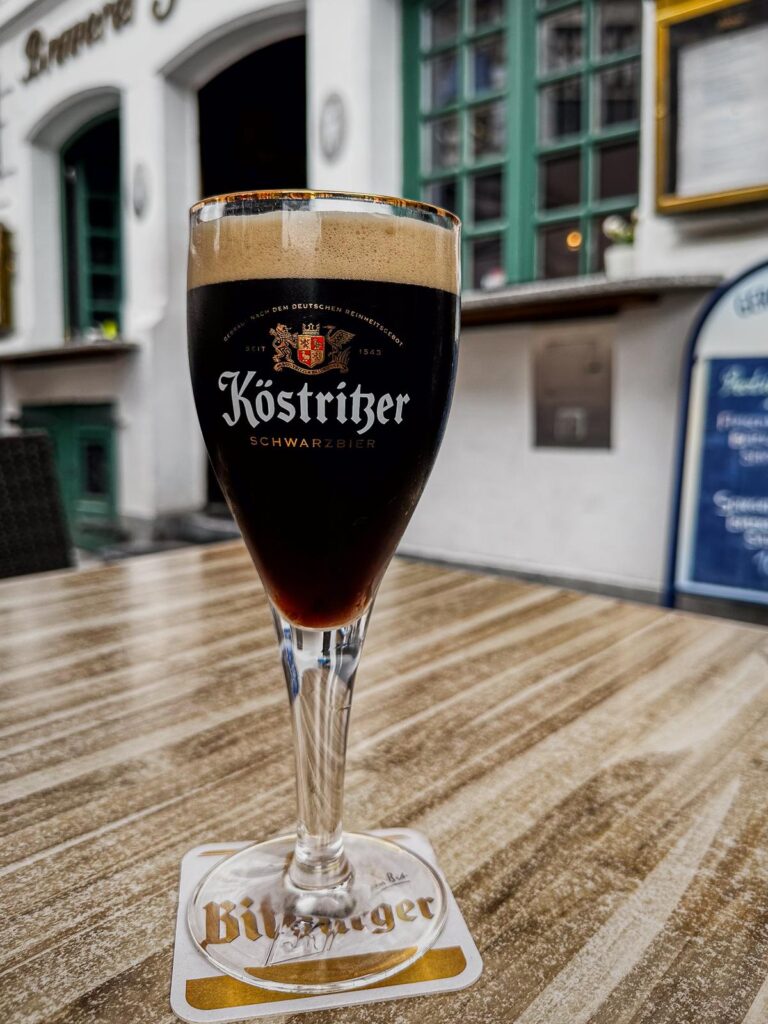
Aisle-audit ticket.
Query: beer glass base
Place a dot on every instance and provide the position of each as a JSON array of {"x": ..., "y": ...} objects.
[{"x": 254, "y": 924}]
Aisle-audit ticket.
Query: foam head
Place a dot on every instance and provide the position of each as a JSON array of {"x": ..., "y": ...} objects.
[{"x": 368, "y": 244}]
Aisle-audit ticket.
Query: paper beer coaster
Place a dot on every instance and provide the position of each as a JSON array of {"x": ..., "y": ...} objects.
[{"x": 199, "y": 993}]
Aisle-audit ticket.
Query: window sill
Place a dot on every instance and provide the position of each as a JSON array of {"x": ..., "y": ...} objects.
[
  {"x": 69, "y": 352},
  {"x": 573, "y": 297}
]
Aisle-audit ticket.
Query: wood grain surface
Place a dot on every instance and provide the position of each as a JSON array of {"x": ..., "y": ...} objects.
[{"x": 593, "y": 775}]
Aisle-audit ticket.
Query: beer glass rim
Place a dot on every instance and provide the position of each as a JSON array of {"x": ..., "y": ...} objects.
[{"x": 300, "y": 194}]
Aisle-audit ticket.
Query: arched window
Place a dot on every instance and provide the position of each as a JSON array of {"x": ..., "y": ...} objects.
[{"x": 90, "y": 173}]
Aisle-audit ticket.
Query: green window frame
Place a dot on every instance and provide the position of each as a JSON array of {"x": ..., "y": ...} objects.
[
  {"x": 91, "y": 221},
  {"x": 530, "y": 166}
]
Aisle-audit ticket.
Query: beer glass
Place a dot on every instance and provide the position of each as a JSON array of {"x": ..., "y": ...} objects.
[{"x": 323, "y": 333}]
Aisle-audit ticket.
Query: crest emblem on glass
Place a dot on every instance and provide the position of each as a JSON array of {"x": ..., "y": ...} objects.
[{"x": 323, "y": 334}]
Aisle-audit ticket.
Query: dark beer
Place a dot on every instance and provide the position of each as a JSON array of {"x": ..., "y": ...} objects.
[{"x": 322, "y": 394}]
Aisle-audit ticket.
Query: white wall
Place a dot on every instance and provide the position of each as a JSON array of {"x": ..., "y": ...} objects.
[
  {"x": 596, "y": 515},
  {"x": 354, "y": 51}
]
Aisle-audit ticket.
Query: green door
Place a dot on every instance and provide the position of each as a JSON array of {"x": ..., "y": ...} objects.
[{"x": 83, "y": 439}]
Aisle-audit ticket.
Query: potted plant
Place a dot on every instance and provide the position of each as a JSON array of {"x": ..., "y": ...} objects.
[{"x": 619, "y": 256}]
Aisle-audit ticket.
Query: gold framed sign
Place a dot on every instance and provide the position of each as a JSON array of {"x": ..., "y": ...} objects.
[{"x": 711, "y": 103}]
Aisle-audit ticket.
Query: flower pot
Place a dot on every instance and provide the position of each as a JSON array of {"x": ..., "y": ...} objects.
[{"x": 619, "y": 261}]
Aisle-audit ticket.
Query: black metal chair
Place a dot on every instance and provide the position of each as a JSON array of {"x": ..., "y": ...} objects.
[{"x": 34, "y": 536}]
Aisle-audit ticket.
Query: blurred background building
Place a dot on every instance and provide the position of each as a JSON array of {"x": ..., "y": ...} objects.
[{"x": 534, "y": 121}]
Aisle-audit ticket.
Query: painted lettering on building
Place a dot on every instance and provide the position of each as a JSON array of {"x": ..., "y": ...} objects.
[{"x": 44, "y": 53}]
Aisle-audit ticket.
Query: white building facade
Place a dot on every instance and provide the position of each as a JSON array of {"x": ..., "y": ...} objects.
[{"x": 397, "y": 97}]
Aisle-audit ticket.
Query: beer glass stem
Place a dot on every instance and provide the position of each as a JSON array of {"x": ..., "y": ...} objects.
[{"x": 320, "y": 667}]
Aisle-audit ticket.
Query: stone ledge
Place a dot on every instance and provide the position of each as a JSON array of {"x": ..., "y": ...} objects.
[
  {"x": 67, "y": 353},
  {"x": 572, "y": 297}
]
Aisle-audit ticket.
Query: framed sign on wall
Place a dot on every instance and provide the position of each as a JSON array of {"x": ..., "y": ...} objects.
[{"x": 711, "y": 103}]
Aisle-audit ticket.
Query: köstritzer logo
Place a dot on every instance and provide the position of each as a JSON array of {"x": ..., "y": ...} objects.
[{"x": 316, "y": 351}]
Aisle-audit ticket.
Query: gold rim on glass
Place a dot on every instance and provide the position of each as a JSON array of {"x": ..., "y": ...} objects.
[{"x": 300, "y": 193}]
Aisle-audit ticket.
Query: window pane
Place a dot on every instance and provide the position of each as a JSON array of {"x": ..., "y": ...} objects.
[
  {"x": 487, "y": 263},
  {"x": 560, "y": 181},
  {"x": 487, "y": 12},
  {"x": 487, "y": 197},
  {"x": 442, "y": 193},
  {"x": 561, "y": 40},
  {"x": 559, "y": 249},
  {"x": 441, "y": 22},
  {"x": 618, "y": 26},
  {"x": 442, "y": 142},
  {"x": 102, "y": 213},
  {"x": 487, "y": 64},
  {"x": 103, "y": 287},
  {"x": 560, "y": 110},
  {"x": 488, "y": 129},
  {"x": 102, "y": 250},
  {"x": 441, "y": 84},
  {"x": 617, "y": 170},
  {"x": 618, "y": 94},
  {"x": 95, "y": 469}
]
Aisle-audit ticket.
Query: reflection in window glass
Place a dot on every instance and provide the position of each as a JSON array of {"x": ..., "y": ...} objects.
[
  {"x": 102, "y": 213},
  {"x": 487, "y": 198},
  {"x": 487, "y": 12},
  {"x": 102, "y": 250},
  {"x": 617, "y": 170},
  {"x": 561, "y": 181},
  {"x": 442, "y": 80},
  {"x": 442, "y": 193},
  {"x": 559, "y": 249},
  {"x": 618, "y": 94},
  {"x": 487, "y": 263},
  {"x": 560, "y": 110},
  {"x": 442, "y": 142},
  {"x": 103, "y": 287},
  {"x": 561, "y": 40},
  {"x": 488, "y": 64},
  {"x": 488, "y": 129},
  {"x": 441, "y": 22},
  {"x": 95, "y": 466},
  {"x": 618, "y": 26}
]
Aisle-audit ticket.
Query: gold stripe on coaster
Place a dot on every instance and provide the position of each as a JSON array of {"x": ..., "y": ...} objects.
[
  {"x": 222, "y": 993},
  {"x": 330, "y": 969}
]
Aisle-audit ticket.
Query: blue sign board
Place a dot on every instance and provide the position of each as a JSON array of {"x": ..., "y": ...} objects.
[
  {"x": 731, "y": 534},
  {"x": 719, "y": 541}
]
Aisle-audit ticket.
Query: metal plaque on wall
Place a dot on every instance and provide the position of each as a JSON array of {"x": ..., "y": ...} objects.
[{"x": 572, "y": 385}]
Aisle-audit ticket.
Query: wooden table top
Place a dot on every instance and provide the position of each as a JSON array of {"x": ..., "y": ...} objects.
[{"x": 592, "y": 773}]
